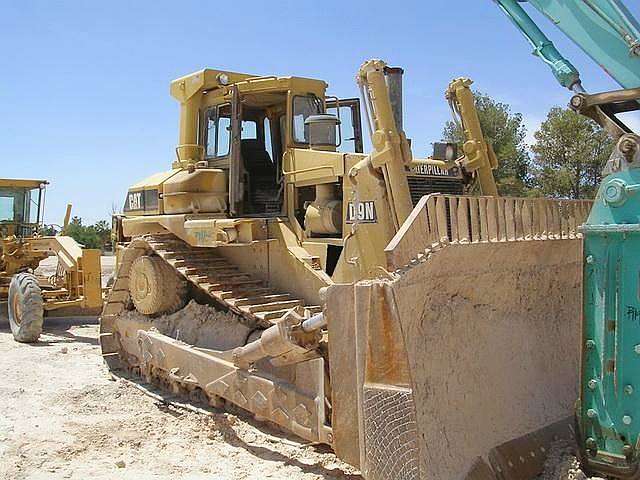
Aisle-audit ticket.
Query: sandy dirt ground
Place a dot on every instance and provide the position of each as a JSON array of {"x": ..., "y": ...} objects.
[{"x": 63, "y": 417}]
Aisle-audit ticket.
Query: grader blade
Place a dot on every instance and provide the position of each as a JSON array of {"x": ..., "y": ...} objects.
[{"x": 467, "y": 356}]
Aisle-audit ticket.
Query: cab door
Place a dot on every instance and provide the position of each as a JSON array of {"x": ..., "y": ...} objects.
[
  {"x": 350, "y": 128},
  {"x": 236, "y": 192}
]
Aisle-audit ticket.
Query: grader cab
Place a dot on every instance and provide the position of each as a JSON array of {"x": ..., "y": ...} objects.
[
  {"x": 379, "y": 308},
  {"x": 75, "y": 285}
]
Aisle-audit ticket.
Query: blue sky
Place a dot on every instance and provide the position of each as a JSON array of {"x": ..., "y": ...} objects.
[{"x": 84, "y": 92}]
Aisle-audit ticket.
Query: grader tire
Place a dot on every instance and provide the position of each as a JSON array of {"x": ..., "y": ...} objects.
[
  {"x": 155, "y": 287},
  {"x": 26, "y": 308}
]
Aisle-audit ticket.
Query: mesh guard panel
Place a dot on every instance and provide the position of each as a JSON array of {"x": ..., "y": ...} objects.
[{"x": 391, "y": 445}]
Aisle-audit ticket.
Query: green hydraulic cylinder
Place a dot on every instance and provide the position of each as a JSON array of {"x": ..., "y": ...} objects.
[
  {"x": 604, "y": 29},
  {"x": 562, "y": 69}
]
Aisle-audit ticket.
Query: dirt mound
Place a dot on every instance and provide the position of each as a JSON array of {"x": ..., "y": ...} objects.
[
  {"x": 200, "y": 325},
  {"x": 562, "y": 464}
]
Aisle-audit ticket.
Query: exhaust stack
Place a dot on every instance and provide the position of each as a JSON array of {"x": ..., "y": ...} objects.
[{"x": 393, "y": 76}]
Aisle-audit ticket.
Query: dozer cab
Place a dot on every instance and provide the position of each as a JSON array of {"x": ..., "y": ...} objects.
[
  {"x": 74, "y": 287},
  {"x": 378, "y": 308}
]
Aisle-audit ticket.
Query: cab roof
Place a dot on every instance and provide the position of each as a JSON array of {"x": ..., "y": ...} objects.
[
  {"x": 208, "y": 79},
  {"x": 21, "y": 183}
]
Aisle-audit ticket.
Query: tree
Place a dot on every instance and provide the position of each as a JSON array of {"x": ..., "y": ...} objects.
[
  {"x": 103, "y": 229},
  {"x": 506, "y": 132},
  {"x": 90, "y": 236},
  {"x": 568, "y": 155}
]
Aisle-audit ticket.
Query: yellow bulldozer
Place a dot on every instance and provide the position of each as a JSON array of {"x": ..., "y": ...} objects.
[
  {"x": 75, "y": 286},
  {"x": 380, "y": 308}
]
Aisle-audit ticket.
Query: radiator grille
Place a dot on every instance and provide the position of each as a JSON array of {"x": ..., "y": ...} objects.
[{"x": 419, "y": 186}]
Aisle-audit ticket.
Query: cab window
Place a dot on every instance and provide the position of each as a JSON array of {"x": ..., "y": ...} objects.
[
  {"x": 6, "y": 208},
  {"x": 249, "y": 130},
  {"x": 218, "y": 130},
  {"x": 266, "y": 125},
  {"x": 19, "y": 205},
  {"x": 303, "y": 107},
  {"x": 33, "y": 209},
  {"x": 350, "y": 128}
]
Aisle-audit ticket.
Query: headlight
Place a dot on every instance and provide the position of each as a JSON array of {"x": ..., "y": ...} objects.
[{"x": 223, "y": 79}]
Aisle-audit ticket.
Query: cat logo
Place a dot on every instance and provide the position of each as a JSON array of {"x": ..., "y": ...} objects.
[
  {"x": 135, "y": 201},
  {"x": 362, "y": 212},
  {"x": 142, "y": 200}
]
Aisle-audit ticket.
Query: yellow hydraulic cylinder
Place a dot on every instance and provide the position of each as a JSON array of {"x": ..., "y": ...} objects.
[
  {"x": 391, "y": 151},
  {"x": 479, "y": 155}
]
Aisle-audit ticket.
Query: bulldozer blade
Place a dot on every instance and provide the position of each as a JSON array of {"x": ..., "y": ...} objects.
[
  {"x": 480, "y": 470},
  {"x": 524, "y": 457},
  {"x": 458, "y": 355}
]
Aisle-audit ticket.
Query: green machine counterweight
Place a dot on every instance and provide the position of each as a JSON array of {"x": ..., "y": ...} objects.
[{"x": 608, "y": 410}]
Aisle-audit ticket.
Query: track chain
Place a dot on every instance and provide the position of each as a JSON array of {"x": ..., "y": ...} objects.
[{"x": 251, "y": 299}]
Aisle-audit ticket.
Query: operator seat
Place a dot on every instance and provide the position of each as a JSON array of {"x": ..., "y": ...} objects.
[
  {"x": 256, "y": 159},
  {"x": 261, "y": 172}
]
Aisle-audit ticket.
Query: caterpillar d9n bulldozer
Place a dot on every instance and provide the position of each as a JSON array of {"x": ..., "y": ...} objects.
[
  {"x": 74, "y": 287},
  {"x": 381, "y": 310}
]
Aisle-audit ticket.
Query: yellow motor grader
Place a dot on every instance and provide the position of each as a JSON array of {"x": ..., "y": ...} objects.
[
  {"x": 382, "y": 309},
  {"x": 75, "y": 285}
]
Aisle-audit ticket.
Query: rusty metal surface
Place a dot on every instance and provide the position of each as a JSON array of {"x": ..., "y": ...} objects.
[{"x": 344, "y": 382}]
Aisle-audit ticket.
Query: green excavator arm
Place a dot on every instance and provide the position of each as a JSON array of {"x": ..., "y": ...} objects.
[{"x": 605, "y": 29}]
